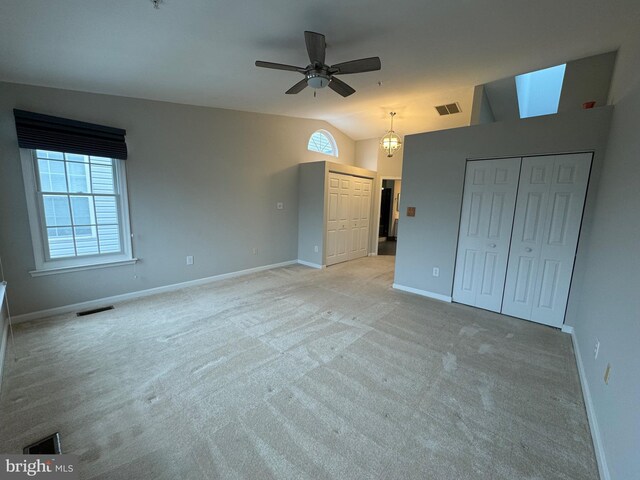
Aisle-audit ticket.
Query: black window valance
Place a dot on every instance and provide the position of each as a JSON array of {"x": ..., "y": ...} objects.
[{"x": 44, "y": 132}]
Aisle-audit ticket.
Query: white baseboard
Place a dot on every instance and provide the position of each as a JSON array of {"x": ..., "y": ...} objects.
[
  {"x": 598, "y": 445},
  {"x": 309, "y": 264},
  {"x": 142, "y": 293},
  {"x": 424, "y": 293},
  {"x": 566, "y": 329},
  {"x": 4, "y": 335}
]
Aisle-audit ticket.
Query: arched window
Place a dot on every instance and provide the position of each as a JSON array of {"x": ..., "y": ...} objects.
[{"x": 322, "y": 141}]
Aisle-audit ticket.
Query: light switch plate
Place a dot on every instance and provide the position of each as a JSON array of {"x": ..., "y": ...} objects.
[{"x": 280, "y": 205}]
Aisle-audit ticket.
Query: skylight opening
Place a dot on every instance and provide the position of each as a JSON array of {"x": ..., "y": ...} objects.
[{"x": 539, "y": 91}]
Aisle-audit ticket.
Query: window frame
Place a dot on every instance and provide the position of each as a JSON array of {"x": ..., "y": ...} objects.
[
  {"x": 44, "y": 265},
  {"x": 332, "y": 141}
]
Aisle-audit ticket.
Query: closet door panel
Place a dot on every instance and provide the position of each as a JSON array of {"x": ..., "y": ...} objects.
[
  {"x": 549, "y": 207},
  {"x": 338, "y": 204},
  {"x": 526, "y": 240},
  {"x": 567, "y": 195},
  {"x": 485, "y": 230}
]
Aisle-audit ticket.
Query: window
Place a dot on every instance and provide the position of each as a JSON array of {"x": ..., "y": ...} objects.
[
  {"x": 322, "y": 141},
  {"x": 77, "y": 209},
  {"x": 539, "y": 91}
]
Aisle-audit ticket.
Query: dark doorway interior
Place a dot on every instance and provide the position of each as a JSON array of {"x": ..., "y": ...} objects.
[
  {"x": 386, "y": 234},
  {"x": 385, "y": 211}
]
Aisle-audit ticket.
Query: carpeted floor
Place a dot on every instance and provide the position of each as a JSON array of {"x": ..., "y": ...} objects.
[{"x": 297, "y": 373}]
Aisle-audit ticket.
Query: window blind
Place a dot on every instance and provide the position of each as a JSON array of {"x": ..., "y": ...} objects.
[{"x": 45, "y": 132}]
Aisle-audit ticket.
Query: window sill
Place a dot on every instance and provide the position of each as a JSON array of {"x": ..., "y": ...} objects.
[{"x": 78, "y": 268}]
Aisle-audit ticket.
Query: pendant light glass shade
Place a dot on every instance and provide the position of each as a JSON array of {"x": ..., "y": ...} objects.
[{"x": 391, "y": 142}]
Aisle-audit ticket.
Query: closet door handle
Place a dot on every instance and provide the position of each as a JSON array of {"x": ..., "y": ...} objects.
[
  {"x": 528, "y": 249},
  {"x": 492, "y": 245}
]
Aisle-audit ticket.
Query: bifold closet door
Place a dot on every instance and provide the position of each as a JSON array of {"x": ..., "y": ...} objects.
[
  {"x": 348, "y": 217},
  {"x": 337, "y": 237},
  {"x": 485, "y": 231},
  {"x": 360, "y": 202},
  {"x": 549, "y": 207}
]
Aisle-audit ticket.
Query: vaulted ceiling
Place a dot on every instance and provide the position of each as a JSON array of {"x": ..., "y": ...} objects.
[{"x": 202, "y": 52}]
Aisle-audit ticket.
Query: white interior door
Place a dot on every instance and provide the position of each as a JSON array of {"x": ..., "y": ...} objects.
[
  {"x": 485, "y": 232},
  {"x": 549, "y": 210},
  {"x": 338, "y": 201},
  {"x": 360, "y": 215}
]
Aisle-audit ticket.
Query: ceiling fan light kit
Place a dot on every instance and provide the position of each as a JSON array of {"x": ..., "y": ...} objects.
[{"x": 320, "y": 75}]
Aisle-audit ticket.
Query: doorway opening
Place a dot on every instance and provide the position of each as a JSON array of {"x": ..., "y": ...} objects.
[{"x": 389, "y": 215}]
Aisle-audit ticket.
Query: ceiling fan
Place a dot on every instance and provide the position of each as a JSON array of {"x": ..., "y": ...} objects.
[{"x": 318, "y": 74}]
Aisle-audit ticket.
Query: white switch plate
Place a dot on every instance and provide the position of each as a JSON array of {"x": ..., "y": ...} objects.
[
  {"x": 596, "y": 349},
  {"x": 279, "y": 205},
  {"x": 255, "y": 251},
  {"x": 315, "y": 249},
  {"x": 436, "y": 272},
  {"x": 189, "y": 259}
]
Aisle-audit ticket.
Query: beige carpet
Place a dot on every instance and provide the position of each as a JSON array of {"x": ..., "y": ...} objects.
[{"x": 297, "y": 373}]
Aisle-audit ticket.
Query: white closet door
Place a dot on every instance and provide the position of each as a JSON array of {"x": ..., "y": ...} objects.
[
  {"x": 549, "y": 209},
  {"x": 360, "y": 214},
  {"x": 339, "y": 193},
  {"x": 485, "y": 231},
  {"x": 354, "y": 216}
]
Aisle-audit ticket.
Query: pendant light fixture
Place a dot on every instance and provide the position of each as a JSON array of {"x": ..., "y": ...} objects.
[{"x": 391, "y": 143}]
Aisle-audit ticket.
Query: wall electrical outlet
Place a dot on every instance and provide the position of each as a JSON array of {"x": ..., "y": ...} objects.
[
  {"x": 315, "y": 249},
  {"x": 596, "y": 349},
  {"x": 279, "y": 205},
  {"x": 189, "y": 259},
  {"x": 436, "y": 271}
]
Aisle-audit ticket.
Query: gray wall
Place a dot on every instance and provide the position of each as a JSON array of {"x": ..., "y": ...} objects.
[
  {"x": 609, "y": 306},
  {"x": 201, "y": 181},
  {"x": 311, "y": 212},
  {"x": 433, "y": 178},
  {"x": 481, "y": 110},
  {"x": 586, "y": 80}
]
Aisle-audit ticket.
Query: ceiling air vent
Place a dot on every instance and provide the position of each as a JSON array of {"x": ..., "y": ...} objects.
[{"x": 448, "y": 109}]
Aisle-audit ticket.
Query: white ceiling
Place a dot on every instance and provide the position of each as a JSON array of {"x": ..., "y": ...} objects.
[{"x": 202, "y": 52}]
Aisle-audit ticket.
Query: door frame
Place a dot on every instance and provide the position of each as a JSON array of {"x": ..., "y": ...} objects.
[{"x": 376, "y": 211}]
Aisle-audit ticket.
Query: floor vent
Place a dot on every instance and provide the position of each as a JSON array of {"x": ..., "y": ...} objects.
[
  {"x": 448, "y": 109},
  {"x": 47, "y": 446},
  {"x": 95, "y": 310}
]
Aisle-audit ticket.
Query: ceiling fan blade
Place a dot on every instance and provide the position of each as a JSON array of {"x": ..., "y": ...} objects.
[
  {"x": 279, "y": 66},
  {"x": 340, "y": 87},
  {"x": 357, "y": 66},
  {"x": 298, "y": 87},
  {"x": 316, "y": 46}
]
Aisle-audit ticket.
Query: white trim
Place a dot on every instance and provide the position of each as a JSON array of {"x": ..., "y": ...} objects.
[
  {"x": 598, "y": 444},
  {"x": 46, "y": 266},
  {"x": 53, "y": 271},
  {"x": 309, "y": 264},
  {"x": 4, "y": 335},
  {"x": 26, "y": 317},
  {"x": 424, "y": 293},
  {"x": 566, "y": 329}
]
